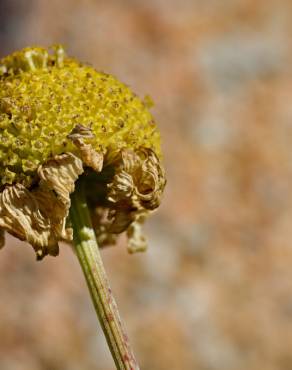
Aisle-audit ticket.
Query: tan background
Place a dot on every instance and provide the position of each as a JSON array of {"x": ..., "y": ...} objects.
[{"x": 214, "y": 291}]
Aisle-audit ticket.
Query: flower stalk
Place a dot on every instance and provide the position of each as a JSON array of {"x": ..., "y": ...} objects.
[
  {"x": 64, "y": 126},
  {"x": 91, "y": 263}
]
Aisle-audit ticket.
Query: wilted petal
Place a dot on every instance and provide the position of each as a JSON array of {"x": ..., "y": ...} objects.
[
  {"x": 39, "y": 216},
  {"x": 89, "y": 155},
  {"x": 58, "y": 175},
  {"x": 120, "y": 220},
  {"x": 57, "y": 179},
  {"x": 121, "y": 188},
  {"x": 139, "y": 179},
  {"x": 100, "y": 224},
  {"x": 134, "y": 191},
  {"x": 136, "y": 240},
  {"x": 20, "y": 215}
]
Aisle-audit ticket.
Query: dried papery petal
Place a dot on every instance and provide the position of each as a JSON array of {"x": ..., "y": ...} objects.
[
  {"x": 20, "y": 215},
  {"x": 89, "y": 155},
  {"x": 149, "y": 180},
  {"x": 100, "y": 223},
  {"x": 136, "y": 240},
  {"x": 57, "y": 179},
  {"x": 139, "y": 180},
  {"x": 38, "y": 216},
  {"x": 109, "y": 224},
  {"x": 58, "y": 175},
  {"x": 120, "y": 220},
  {"x": 134, "y": 191}
]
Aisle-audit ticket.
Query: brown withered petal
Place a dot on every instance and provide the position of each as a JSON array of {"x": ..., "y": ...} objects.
[
  {"x": 150, "y": 180},
  {"x": 100, "y": 224},
  {"x": 120, "y": 220},
  {"x": 139, "y": 179},
  {"x": 89, "y": 156},
  {"x": 39, "y": 215},
  {"x": 136, "y": 240},
  {"x": 133, "y": 193}
]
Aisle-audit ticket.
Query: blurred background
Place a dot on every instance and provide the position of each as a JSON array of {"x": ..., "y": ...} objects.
[{"x": 214, "y": 290}]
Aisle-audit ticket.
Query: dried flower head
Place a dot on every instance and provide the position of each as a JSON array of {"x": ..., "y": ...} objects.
[{"x": 62, "y": 121}]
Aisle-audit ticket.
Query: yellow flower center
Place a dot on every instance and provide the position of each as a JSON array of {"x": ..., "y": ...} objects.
[{"x": 43, "y": 97}]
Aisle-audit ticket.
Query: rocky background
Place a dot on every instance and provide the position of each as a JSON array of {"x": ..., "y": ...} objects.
[{"x": 214, "y": 290}]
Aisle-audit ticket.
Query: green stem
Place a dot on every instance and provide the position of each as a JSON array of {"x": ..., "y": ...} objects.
[{"x": 90, "y": 260}]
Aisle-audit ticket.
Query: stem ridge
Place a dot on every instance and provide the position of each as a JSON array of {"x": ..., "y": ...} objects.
[{"x": 89, "y": 257}]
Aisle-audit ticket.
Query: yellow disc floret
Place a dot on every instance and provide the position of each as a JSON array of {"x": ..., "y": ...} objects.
[{"x": 43, "y": 97}]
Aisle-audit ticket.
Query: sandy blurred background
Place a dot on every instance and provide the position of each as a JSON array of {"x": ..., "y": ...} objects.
[{"x": 214, "y": 291}]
